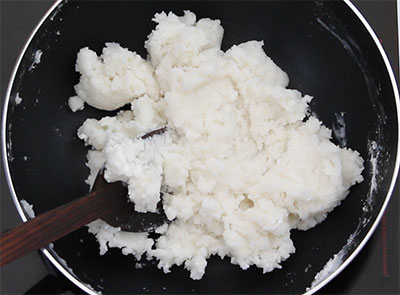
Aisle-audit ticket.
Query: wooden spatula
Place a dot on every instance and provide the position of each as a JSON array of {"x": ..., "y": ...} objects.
[{"x": 106, "y": 201}]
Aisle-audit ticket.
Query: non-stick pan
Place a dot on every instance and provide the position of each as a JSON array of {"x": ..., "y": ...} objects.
[{"x": 328, "y": 50}]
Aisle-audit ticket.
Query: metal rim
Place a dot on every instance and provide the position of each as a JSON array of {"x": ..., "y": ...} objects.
[{"x": 324, "y": 282}]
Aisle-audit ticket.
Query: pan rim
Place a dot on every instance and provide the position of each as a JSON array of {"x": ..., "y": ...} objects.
[
  {"x": 389, "y": 194},
  {"x": 17, "y": 204},
  {"x": 88, "y": 289}
]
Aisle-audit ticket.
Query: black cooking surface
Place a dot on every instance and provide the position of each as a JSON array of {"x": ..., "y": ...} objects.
[{"x": 374, "y": 271}]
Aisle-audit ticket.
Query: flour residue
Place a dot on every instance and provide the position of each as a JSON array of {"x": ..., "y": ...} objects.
[
  {"x": 377, "y": 172},
  {"x": 9, "y": 143},
  {"x": 328, "y": 269},
  {"x": 374, "y": 151},
  {"x": 57, "y": 10},
  {"x": 36, "y": 59},
  {"x": 339, "y": 129},
  {"x": 17, "y": 99},
  {"x": 307, "y": 268},
  {"x": 139, "y": 265},
  {"x": 336, "y": 261}
]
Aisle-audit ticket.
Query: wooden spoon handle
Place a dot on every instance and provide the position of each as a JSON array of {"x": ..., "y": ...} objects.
[{"x": 50, "y": 226}]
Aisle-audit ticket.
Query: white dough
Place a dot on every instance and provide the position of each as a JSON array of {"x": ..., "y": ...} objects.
[
  {"x": 28, "y": 208},
  {"x": 115, "y": 78},
  {"x": 240, "y": 164},
  {"x": 76, "y": 103}
]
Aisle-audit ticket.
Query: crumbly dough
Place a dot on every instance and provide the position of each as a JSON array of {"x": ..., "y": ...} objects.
[{"x": 241, "y": 162}]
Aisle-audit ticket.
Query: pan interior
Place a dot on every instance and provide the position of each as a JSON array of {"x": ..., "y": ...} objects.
[{"x": 326, "y": 52}]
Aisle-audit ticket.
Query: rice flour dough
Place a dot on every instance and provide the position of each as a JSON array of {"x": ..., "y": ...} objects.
[{"x": 241, "y": 162}]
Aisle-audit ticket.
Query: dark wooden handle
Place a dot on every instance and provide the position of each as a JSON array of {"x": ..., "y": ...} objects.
[{"x": 52, "y": 225}]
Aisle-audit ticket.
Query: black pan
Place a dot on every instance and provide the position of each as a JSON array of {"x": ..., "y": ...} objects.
[{"x": 328, "y": 50}]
